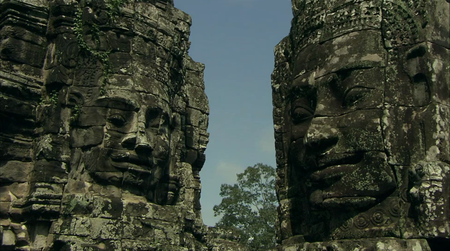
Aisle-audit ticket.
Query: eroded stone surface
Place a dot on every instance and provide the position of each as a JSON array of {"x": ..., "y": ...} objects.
[
  {"x": 361, "y": 106},
  {"x": 103, "y": 127}
]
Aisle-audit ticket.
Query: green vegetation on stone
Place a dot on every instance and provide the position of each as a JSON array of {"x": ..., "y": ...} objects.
[
  {"x": 52, "y": 99},
  {"x": 113, "y": 10}
]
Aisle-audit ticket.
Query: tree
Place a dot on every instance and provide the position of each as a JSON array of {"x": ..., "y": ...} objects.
[{"x": 250, "y": 207}]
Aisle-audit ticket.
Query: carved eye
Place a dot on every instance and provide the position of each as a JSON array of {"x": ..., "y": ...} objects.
[
  {"x": 117, "y": 120},
  {"x": 165, "y": 120},
  {"x": 355, "y": 94},
  {"x": 153, "y": 117},
  {"x": 301, "y": 114}
]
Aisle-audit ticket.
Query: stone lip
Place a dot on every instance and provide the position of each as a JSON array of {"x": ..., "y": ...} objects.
[
  {"x": 327, "y": 160},
  {"x": 126, "y": 160}
]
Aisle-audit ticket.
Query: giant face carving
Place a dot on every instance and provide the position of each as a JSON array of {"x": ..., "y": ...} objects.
[
  {"x": 335, "y": 119},
  {"x": 136, "y": 148},
  {"x": 127, "y": 136},
  {"x": 134, "y": 122},
  {"x": 337, "y": 158},
  {"x": 357, "y": 107},
  {"x": 106, "y": 121}
]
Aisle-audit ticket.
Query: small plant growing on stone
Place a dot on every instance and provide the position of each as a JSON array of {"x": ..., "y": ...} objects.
[
  {"x": 113, "y": 9},
  {"x": 76, "y": 111},
  {"x": 52, "y": 100}
]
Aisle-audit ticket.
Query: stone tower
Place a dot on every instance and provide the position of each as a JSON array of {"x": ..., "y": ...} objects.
[
  {"x": 361, "y": 113},
  {"x": 103, "y": 120}
]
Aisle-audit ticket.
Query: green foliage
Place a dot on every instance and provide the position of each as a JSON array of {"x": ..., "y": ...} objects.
[
  {"x": 78, "y": 29},
  {"x": 52, "y": 99},
  {"x": 250, "y": 207},
  {"x": 76, "y": 111},
  {"x": 113, "y": 9}
]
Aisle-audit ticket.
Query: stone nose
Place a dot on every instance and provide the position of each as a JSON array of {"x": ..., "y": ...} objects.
[
  {"x": 139, "y": 141},
  {"x": 321, "y": 137},
  {"x": 143, "y": 145}
]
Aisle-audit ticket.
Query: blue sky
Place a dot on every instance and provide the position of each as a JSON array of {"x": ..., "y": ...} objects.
[{"x": 235, "y": 40}]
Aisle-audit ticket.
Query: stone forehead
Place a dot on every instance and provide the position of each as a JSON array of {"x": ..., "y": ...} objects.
[
  {"x": 316, "y": 21},
  {"x": 359, "y": 49},
  {"x": 138, "y": 84},
  {"x": 131, "y": 100}
]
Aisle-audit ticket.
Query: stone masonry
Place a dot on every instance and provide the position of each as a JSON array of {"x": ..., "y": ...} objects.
[
  {"x": 361, "y": 113},
  {"x": 103, "y": 121}
]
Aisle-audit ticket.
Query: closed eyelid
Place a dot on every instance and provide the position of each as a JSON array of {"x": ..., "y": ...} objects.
[
  {"x": 357, "y": 87},
  {"x": 302, "y": 110},
  {"x": 328, "y": 79},
  {"x": 117, "y": 120},
  {"x": 304, "y": 101},
  {"x": 306, "y": 107},
  {"x": 117, "y": 116},
  {"x": 157, "y": 117},
  {"x": 355, "y": 94},
  {"x": 301, "y": 114}
]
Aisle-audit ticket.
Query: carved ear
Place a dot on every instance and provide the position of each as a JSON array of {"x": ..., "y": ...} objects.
[
  {"x": 415, "y": 65},
  {"x": 75, "y": 98},
  {"x": 415, "y": 60}
]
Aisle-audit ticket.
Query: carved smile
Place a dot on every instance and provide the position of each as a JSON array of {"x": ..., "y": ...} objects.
[
  {"x": 356, "y": 180},
  {"x": 334, "y": 166},
  {"x": 325, "y": 199},
  {"x": 333, "y": 172},
  {"x": 126, "y": 160},
  {"x": 339, "y": 159},
  {"x": 348, "y": 201}
]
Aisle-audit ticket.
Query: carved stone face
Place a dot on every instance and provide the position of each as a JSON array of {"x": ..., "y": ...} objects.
[
  {"x": 135, "y": 150},
  {"x": 138, "y": 138},
  {"x": 356, "y": 119},
  {"x": 136, "y": 143},
  {"x": 103, "y": 123},
  {"x": 336, "y": 141},
  {"x": 359, "y": 93}
]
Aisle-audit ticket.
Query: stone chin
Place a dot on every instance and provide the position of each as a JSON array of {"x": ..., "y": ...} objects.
[
  {"x": 140, "y": 175},
  {"x": 356, "y": 180},
  {"x": 319, "y": 199}
]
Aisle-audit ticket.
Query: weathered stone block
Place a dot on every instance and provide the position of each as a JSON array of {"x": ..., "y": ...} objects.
[
  {"x": 8, "y": 238},
  {"x": 105, "y": 229},
  {"x": 49, "y": 171},
  {"x": 22, "y": 52},
  {"x": 4, "y": 209},
  {"x": 19, "y": 190},
  {"x": 16, "y": 149},
  {"x": 89, "y": 116},
  {"x": 15, "y": 171},
  {"x": 91, "y": 136}
]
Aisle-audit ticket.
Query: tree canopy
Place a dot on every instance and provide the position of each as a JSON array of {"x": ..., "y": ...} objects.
[{"x": 250, "y": 207}]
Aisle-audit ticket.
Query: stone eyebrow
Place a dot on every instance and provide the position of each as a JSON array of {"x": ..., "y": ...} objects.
[
  {"x": 118, "y": 103},
  {"x": 302, "y": 91},
  {"x": 364, "y": 64}
]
